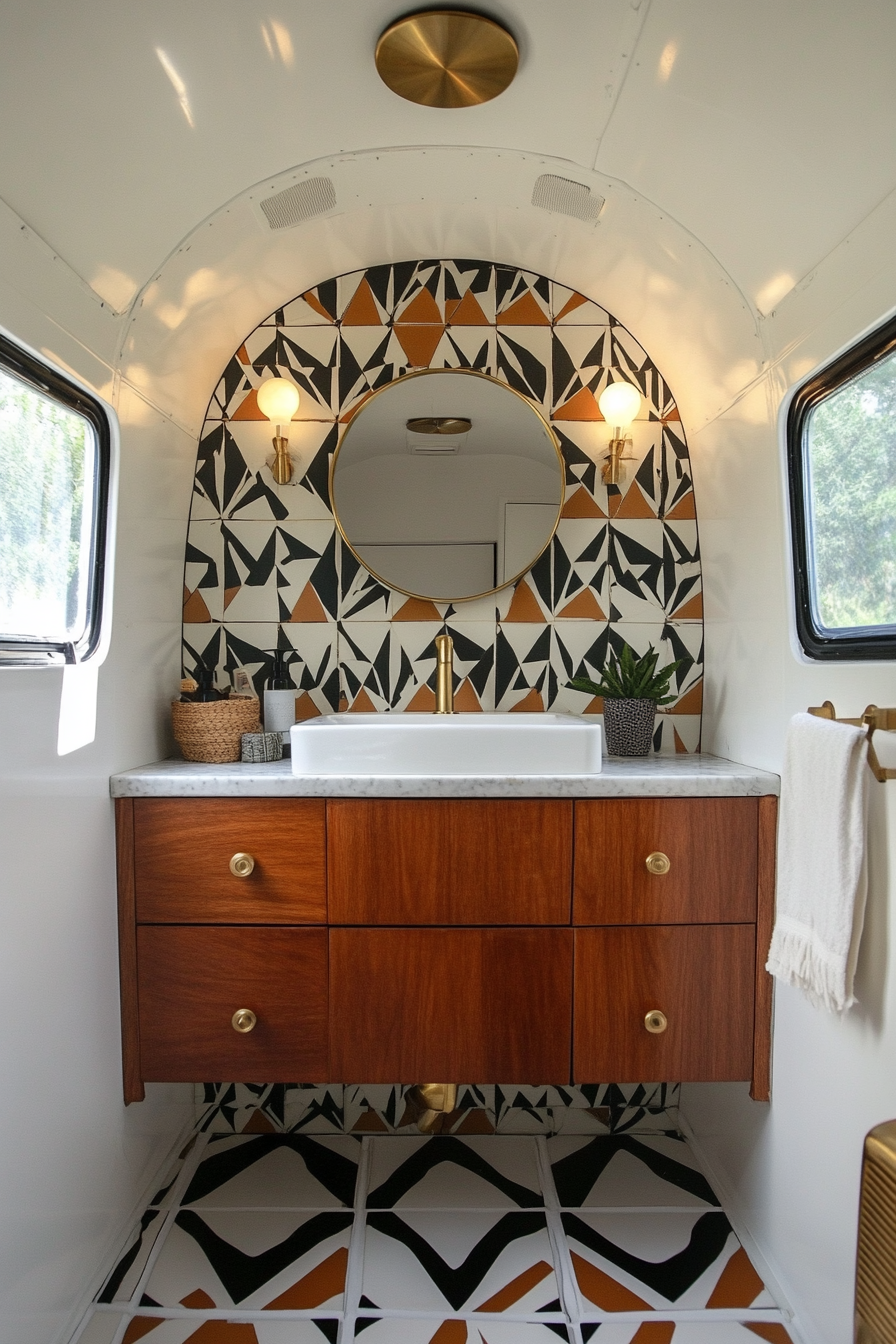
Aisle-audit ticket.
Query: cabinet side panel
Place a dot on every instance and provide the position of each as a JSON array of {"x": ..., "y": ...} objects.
[
  {"x": 760, "y": 1088},
  {"x": 127, "y": 951},
  {"x": 449, "y": 861}
]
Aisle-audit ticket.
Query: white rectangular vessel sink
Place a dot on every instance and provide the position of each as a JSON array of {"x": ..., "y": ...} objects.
[{"x": 450, "y": 744}]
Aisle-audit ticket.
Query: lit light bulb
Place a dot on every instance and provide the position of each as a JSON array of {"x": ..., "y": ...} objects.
[
  {"x": 619, "y": 404},
  {"x": 278, "y": 399}
]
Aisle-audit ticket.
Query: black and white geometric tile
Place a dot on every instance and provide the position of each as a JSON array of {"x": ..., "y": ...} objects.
[
  {"x": 265, "y": 567},
  {"x": 281, "y": 1238}
]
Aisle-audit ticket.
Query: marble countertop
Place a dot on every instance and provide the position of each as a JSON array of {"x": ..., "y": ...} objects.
[{"x": 698, "y": 776}]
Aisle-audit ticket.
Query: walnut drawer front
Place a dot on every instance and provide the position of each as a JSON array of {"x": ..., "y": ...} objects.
[
  {"x": 699, "y": 977},
  {"x": 449, "y": 861},
  {"x": 183, "y": 848},
  {"x": 709, "y": 844},
  {"x": 450, "y": 1003},
  {"x": 191, "y": 982}
]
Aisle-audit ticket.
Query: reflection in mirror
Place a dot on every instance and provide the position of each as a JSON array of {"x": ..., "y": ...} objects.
[{"x": 447, "y": 484}]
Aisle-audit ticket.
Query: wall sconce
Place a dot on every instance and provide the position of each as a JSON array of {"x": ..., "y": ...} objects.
[
  {"x": 278, "y": 399},
  {"x": 619, "y": 404}
]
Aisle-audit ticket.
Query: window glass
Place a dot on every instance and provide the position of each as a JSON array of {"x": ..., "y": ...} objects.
[
  {"x": 841, "y": 453},
  {"x": 851, "y": 449}
]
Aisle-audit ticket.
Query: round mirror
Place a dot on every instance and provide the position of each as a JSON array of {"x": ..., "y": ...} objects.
[{"x": 447, "y": 484}]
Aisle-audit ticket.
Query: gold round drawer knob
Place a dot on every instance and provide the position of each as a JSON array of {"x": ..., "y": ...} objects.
[
  {"x": 241, "y": 865},
  {"x": 656, "y": 1022},
  {"x": 658, "y": 863},
  {"x": 243, "y": 1020}
]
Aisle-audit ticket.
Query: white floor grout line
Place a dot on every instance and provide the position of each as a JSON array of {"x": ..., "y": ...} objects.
[
  {"x": 354, "y": 1270},
  {"x": 169, "y": 1214},
  {"x": 566, "y": 1279}
]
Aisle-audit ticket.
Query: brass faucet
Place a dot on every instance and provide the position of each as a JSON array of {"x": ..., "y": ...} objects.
[{"x": 444, "y": 674}]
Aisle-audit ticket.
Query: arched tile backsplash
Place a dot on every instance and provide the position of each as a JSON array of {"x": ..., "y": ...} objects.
[{"x": 264, "y": 564}]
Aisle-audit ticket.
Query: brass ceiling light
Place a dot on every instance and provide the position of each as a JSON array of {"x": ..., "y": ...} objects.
[{"x": 447, "y": 58}]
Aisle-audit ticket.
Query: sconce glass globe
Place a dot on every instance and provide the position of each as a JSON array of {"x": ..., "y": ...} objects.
[
  {"x": 619, "y": 404},
  {"x": 278, "y": 399}
]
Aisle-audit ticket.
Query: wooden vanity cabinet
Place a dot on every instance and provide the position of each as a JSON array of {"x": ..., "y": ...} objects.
[{"x": 415, "y": 940}]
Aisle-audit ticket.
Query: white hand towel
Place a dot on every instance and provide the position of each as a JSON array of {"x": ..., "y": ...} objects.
[{"x": 821, "y": 860}]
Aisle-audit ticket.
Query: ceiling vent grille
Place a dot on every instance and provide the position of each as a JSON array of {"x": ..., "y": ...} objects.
[
  {"x": 312, "y": 197},
  {"x": 566, "y": 198}
]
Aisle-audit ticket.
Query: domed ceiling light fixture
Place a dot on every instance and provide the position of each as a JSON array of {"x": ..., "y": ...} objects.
[{"x": 447, "y": 58}]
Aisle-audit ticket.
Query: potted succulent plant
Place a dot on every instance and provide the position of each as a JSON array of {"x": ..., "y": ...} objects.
[{"x": 632, "y": 689}]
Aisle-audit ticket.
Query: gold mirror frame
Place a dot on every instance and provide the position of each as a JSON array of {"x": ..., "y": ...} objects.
[{"x": 475, "y": 373}]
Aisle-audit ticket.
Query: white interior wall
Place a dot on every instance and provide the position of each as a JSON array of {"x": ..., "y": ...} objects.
[
  {"x": 793, "y": 1168},
  {"x": 74, "y": 1163}
]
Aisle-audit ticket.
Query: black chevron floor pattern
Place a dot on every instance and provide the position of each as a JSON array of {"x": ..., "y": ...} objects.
[{"x": 286, "y": 1238}]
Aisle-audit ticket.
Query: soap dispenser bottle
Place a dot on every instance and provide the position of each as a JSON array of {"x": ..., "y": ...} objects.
[{"x": 279, "y": 700}]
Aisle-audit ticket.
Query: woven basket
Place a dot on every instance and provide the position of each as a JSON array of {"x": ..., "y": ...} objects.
[{"x": 211, "y": 732}]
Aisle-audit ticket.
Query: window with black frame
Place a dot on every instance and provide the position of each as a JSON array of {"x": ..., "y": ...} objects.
[
  {"x": 55, "y": 465},
  {"x": 841, "y": 451}
]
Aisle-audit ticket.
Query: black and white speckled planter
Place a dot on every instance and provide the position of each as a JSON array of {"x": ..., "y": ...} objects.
[{"x": 629, "y": 726}]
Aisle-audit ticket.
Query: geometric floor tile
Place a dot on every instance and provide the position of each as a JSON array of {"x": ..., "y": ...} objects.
[
  {"x": 121, "y": 1283},
  {"x": 201, "y": 1330},
  {"x": 686, "y": 1332},
  {"x": 459, "y": 1261},
  {"x": 648, "y": 1261},
  {"x": 286, "y": 1171},
  {"x": 263, "y": 1261},
  {"x": 625, "y": 1171},
  {"x": 404, "y": 1331},
  {"x": 447, "y": 1172}
]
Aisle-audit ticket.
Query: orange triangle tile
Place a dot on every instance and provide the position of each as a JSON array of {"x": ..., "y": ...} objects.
[
  {"x": 524, "y": 608},
  {"x": 308, "y": 609},
  {"x": 654, "y": 1332},
  {"x": 248, "y": 408},
  {"x": 691, "y": 702},
  {"x": 475, "y": 1122},
  {"x": 450, "y": 1332},
  {"x": 197, "y": 1300},
  {"x": 362, "y": 311},
  {"x": 673, "y": 415},
  {"x": 635, "y": 504},
  {"x": 583, "y": 607},
  {"x": 466, "y": 701},
  {"x": 775, "y": 1334},
  {"x": 739, "y": 1285},
  {"x": 319, "y": 1285},
  {"x": 362, "y": 703},
  {"x": 603, "y": 1291},
  {"x": 684, "y": 509},
  {"x": 680, "y": 748},
  {"x": 614, "y": 499},
  {"x": 596, "y": 706},
  {"x": 422, "y": 310},
  {"x": 582, "y": 406},
  {"x": 692, "y": 610},
  {"x": 417, "y": 609},
  {"x": 258, "y": 1123},
  {"x": 243, "y": 355},
  {"x": 223, "y": 1332},
  {"x": 582, "y": 504},
  {"x": 423, "y": 701},
  {"x": 314, "y": 302},
  {"x": 306, "y": 708},
  {"x": 195, "y": 610},
  {"x": 229, "y": 595},
  {"x": 466, "y": 313},
  {"x": 572, "y": 303},
  {"x": 505, "y": 1297},
  {"x": 370, "y": 1123},
  {"x": 419, "y": 343},
  {"x": 531, "y": 703},
  {"x": 524, "y": 313},
  {"x": 140, "y": 1326}
]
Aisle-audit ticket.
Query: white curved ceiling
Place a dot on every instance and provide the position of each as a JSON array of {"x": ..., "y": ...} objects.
[{"x": 765, "y": 129}]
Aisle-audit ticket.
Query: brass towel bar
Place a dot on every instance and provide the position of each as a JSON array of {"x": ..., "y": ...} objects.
[{"x": 873, "y": 718}]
